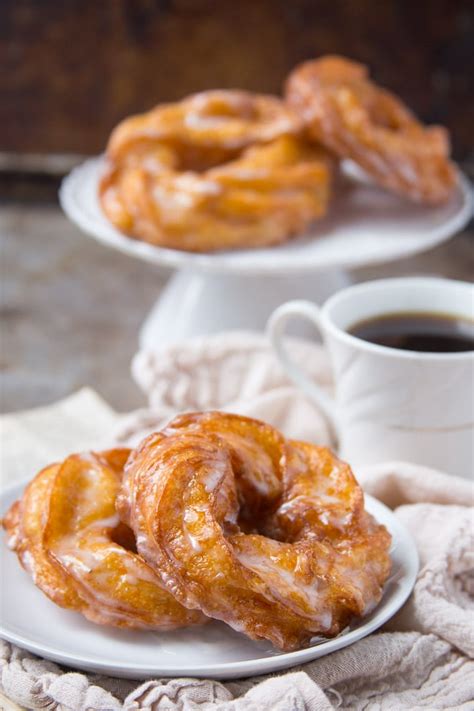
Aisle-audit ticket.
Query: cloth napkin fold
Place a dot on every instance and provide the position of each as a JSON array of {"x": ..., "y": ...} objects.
[{"x": 422, "y": 659}]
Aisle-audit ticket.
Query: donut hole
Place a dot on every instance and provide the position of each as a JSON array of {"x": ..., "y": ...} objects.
[
  {"x": 123, "y": 536},
  {"x": 260, "y": 527},
  {"x": 178, "y": 156},
  {"x": 198, "y": 159},
  {"x": 255, "y": 516}
]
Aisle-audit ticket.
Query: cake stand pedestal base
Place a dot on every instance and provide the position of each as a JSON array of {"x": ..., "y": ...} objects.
[{"x": 197, "y": 304}]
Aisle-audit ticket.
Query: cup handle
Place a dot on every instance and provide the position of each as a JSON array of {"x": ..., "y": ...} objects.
[{"x": 275, "y": 329}]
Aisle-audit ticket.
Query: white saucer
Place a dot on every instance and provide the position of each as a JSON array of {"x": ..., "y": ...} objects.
[
  {"x": 31, "y": 621},
  {"x": 364, "y": 226}
]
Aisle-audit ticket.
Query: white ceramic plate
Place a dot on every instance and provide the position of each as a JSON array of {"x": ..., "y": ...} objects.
[
  {"x": 364, "y": 226},
  {"x": 31, "y": 621}
]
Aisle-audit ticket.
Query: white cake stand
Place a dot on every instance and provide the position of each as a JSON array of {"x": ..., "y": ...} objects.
[{"x": 239, "y": 289}]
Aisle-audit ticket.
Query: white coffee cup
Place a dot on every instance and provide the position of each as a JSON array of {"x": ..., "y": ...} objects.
[{"x": 391, "y": 404}]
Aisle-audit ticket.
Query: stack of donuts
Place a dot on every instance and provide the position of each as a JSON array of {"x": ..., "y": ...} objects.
[
  {"x": 226, "y": 169},
  {"x": 215, "y": 516}
]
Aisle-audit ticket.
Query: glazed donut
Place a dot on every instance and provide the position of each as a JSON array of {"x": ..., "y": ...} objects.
[
  {"x": 267, "y": 534},
  {"x": 67, "y": 535},
  {"x": 352, "y": 116},
  {"x": 218, "y": 170}
]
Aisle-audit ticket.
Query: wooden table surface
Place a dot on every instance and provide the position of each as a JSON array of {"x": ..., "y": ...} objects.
[{"x": 72, "y": 308}]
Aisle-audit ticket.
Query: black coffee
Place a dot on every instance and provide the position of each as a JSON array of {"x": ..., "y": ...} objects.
[{"x": 418, "y": 331}]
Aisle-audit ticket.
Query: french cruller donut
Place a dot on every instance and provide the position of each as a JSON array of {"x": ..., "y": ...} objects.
[
  {"x": 354, "y": 118},
  {"x": 218, "y": 170},
  {"x": 67, "y": 534},
  {"x": 267, "y": 534}
]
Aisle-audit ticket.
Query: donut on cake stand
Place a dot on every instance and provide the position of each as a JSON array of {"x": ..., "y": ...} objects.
[{"x": 239, "y": 289}]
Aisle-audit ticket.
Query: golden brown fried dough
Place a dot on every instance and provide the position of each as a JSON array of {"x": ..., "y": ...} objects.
[
  {"x": 267, "y": 534},
  {"x": 218, "y": 170},
  {"x": 67, "y": 535},
  {"x": 358, "y": 120}
]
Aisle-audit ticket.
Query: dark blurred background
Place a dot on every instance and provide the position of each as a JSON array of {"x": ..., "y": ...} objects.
[{"x": 71, "y": 69}]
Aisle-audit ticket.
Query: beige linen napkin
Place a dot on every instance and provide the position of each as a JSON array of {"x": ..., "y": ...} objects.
[{"x": 423, "y": 657}]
